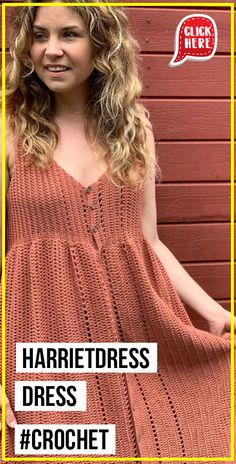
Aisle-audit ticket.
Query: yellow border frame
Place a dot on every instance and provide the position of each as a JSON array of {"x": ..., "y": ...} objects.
[{"x": 220, "y": 459}]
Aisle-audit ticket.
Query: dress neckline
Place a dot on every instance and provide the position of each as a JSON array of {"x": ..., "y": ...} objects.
[{"x": 83, "y": 187}]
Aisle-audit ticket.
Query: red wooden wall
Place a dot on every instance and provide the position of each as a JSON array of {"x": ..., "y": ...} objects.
[{"x": 190, "y": 112}]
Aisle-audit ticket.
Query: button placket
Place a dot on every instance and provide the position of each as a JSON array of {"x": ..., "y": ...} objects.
[
  {"x": 91, "y": 206},
  {"x": 93, "y": 214}
]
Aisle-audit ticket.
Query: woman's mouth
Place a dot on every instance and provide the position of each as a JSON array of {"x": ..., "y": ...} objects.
[{"x": 57, "y": 70}]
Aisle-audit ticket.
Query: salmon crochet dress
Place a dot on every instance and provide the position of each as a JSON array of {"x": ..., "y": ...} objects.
[{"x": 79, "y": 269}]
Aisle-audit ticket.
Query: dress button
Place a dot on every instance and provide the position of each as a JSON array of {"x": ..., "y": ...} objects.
[
  {"x": 89, "y": 189},
  {"x": 94, "y": 229},
  {"x": 92, "y": 206}
]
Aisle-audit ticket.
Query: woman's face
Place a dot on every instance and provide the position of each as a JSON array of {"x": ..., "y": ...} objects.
[{"x": 60, "y": 38}]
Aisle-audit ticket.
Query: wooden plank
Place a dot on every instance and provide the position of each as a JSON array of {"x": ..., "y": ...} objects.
[
  {"x": 197, "y": 242},
  {"x": 189, "y": 119},
  {"x": 193, "y": 80},
  {"x": 194, "y": 161},
  {"x": 203, "y": 202},
  {"x": 155, "y": 27},
  {"x": 214, "y": 278}
]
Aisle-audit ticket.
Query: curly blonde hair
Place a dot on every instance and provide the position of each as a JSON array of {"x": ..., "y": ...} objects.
[{"x": 112, "y": 111}]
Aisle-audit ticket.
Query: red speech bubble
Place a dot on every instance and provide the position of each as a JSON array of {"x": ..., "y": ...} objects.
[{"x": 195, "y": 39}]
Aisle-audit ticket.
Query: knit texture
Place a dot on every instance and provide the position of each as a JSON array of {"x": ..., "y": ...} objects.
[{"x": 79, "y": 269}]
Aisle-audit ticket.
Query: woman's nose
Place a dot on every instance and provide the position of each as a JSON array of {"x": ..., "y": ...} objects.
[{"x": 53, "y": 47}]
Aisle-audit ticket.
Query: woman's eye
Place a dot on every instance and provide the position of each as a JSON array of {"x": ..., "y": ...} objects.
[
  {"x": 68, "y": 34},
  {"x": 71, "y": 34},
  {"x": 39, "y": 36}
]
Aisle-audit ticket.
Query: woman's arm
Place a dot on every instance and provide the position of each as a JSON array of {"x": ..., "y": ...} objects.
[{"x": 187, "y": 288}]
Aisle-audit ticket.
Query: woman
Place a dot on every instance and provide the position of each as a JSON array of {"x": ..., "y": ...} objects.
[{"x": 84, "y": 261}]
